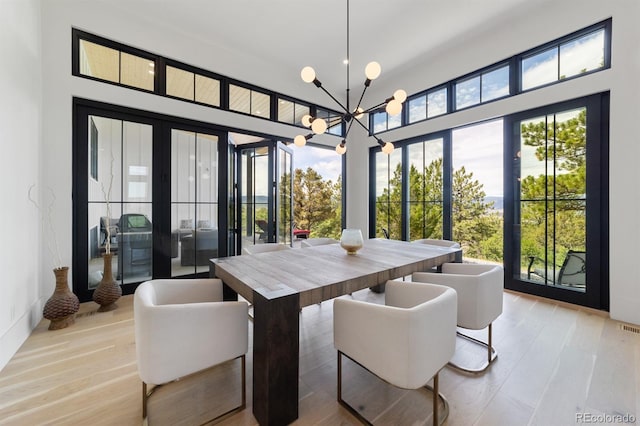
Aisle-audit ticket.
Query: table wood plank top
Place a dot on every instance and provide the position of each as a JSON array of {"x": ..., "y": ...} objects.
[{"x": 324, "y": 272}]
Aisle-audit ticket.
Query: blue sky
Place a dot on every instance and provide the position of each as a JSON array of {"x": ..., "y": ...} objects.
[{"x": 323, "y": 160}]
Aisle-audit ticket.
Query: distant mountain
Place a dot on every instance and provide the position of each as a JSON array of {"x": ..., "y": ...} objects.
[{"x": 498, "y": 202}]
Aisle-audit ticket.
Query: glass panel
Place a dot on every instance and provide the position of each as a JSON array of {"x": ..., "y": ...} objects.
[
  {"x": 317, "y": 195},
  {"x": 180, "y": 83},
  {"x": 477, "y": 205},
  {"x": 239, "y": 99},
  {"x": 99, "y": 61},
  {"x": 495, "y": 84},
  {"x": 194, "y": 201},
  {"x": 394, "y": 121},
  {"x": 468, "y": 92},
  {"x": 285, "y": 111},
  {"x": 553, "y": 200},
  {"x": 207, "y": 90},
  {"x": 254, "y": 184},
  {"x": 137, "y": 162},
  {"x": 285, "y": 217},
  {"x": 425, "y": 189},
  {"x": 104, "y": 208},
  {"x": 389, "y": 200},
  {"x": 582, "y": 55},
  {"x": 260, "y": 104},
  {"x": 379, "y": 122},
  {"x": 135, "y": 238},
  {"x": 540, "y": 69},
  {"x": 417, "y": 109},
  {"x": 137, "y": 72},
  {"x": 301, "y": 111},
  {"x": 436, "y": 103},
  {"x": 119, "y": 210},
  {"x": 335, "y": 125}
]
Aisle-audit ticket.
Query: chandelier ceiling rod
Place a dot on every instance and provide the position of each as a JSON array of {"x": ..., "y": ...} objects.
[{"x": 393, "y": 105}]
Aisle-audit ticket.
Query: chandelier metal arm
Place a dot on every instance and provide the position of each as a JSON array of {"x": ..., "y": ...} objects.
[
  {"x": 372, "y": 71},
  {"x": 364, "y": 90},
  {"x": 333, "y": 97}
]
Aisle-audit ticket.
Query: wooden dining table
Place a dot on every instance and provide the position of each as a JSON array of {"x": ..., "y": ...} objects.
[{"x": 280, "y": 283}]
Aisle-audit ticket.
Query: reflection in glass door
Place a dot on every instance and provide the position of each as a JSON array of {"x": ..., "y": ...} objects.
[
  {"x": 265, "y": 193},
  {"x": 284, "y": 173},
  {"x": 119, "y": 199},
  {"x": 551, "y": 170},
  {"x": 194, "y": 201}
]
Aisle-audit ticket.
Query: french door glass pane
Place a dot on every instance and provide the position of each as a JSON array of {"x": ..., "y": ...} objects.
[
  {"x": 285, "y": 214},
  {"x": 552, "y": 157},
  {"x": 389, "y": 194},
  {"x": 119, "y": 199},
  {"x": 477, "y": 190},
  {"x": 254, "y": 185},
  {"x": 425, "y": 189},
  {"x": 194, "y": 201}
]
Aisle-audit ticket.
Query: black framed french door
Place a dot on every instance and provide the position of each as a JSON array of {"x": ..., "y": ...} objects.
[
  {"x": 556, "y": 201},
  {"x": 264, "y": 183},
  {"x": 137, "y": 178}
]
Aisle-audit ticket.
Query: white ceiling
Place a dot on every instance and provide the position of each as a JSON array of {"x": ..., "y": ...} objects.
[{"x": 295, "y": 33}]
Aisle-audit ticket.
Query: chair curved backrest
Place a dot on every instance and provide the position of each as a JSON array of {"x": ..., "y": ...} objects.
[
  {"x": 311, "y": 242},
  {"x": 435, "y": 242},
  {"x": 479, "y": 287},
  {"x": 480, "y": 294},
  {"x": 404, "y": 342},
  {"x": 263, "y": 248},
  {"x": 183, "y": 326}
]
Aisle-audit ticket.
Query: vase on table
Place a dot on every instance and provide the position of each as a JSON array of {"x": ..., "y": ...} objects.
[
  {"x": 108, "y": 290},
  {"x": 62, "y": 306},
  {"x": 351, "y": 240}
]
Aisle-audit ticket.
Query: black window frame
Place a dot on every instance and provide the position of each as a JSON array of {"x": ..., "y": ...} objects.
[
  {"x": 160, "y": 63},
  {"x": 515, "y": 74}
]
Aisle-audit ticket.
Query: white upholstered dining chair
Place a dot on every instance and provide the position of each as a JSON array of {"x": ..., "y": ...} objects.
[
  {"x": 182, "y": 326},
  {"x": 405, "y": 342},
  {"x": 320, "y": 241},
  {"x": 263, "y": 248},
  {"x": 436, "y": 242},
  {"x": 480, "y": 295}
]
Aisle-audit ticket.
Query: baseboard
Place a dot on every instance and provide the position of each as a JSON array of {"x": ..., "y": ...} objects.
[{"x": 18, "y": 333}]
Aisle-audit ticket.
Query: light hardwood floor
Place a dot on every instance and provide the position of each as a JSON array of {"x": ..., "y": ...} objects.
[{"x": 554, "y": 362}]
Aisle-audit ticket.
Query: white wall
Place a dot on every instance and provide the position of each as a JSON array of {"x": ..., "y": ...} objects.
[{"x": 20, "y": 136}]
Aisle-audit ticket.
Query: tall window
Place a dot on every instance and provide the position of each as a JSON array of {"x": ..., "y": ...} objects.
[
  {"x": 477, "y": 190},
  {"x": 388, "y": 201},
  {"x": 553, "y": 197}
]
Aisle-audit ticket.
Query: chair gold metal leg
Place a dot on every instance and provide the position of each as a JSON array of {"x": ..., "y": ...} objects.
[
  {"x": 438, "y": 418},
  {"x": 491, "y": 353},
  {"x": 435, "y": 400},
  {"x": 147, "y": 394},
  {"x": 144, "y": 400}
]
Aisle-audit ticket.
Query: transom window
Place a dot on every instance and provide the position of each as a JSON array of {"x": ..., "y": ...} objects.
[
  {"x": 585, "y": 51},
  {"x": 104, "y": 63},
  {"x": 192, "y": 86},
  {"x": 563, "y": 60}
]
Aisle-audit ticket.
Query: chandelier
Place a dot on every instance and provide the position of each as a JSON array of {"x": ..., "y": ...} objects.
[{"x": 318, "y": 125}]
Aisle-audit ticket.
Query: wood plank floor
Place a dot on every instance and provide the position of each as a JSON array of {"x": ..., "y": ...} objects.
[{"x": 555, "y": 361}]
